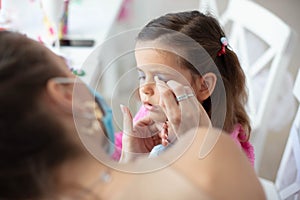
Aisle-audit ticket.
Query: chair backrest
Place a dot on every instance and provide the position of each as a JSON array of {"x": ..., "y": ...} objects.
[
  {"x": 288, "y": 175},
  {"x": 263, "y": 44}
]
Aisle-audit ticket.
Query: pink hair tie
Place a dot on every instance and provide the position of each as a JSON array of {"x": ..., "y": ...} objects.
[{"x": 224, "y": 43}]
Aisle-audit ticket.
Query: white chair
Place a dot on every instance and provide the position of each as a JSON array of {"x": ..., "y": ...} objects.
[
  {"x": 263, "y": 43},
  {"x": 287, "y": 184},
  {"x": 288, "y": 176}
]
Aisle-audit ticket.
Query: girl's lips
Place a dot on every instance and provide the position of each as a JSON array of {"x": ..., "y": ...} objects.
[{"x": 150, "y": 107}]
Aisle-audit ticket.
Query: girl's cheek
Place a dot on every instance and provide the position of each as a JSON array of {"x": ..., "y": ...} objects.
[
  {"x": 157, "y": 96},
  {"x": 140, "y": 94}
]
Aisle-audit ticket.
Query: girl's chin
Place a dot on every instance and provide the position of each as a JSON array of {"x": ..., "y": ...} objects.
[{"x": 158, "y": 116}]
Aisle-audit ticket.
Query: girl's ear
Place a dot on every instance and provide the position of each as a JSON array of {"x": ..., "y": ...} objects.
[
  {"x": 60, "y": 94},
  {"x": 205, "y": 85}
]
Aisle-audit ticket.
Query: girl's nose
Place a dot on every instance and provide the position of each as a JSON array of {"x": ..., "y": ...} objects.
[{"x": 148, "y": 88}]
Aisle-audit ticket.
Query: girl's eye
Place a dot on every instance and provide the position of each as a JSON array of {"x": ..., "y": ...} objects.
[
  {"x": 162, "y": 78},
  {"x": 141, "y": 75}
]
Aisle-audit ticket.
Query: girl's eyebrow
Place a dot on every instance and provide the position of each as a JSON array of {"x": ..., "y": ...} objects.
[{"x": 154, "y": 71}]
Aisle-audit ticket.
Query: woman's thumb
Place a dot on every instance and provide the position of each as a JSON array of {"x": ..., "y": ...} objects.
[{"x": 127, "y": 120}]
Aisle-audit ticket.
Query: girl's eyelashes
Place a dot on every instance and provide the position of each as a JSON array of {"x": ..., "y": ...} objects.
[
  {"x": 162, "y": 78},
  {"x": 141, "y": 75}
]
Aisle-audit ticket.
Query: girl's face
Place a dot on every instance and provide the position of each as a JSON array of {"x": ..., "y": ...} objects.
[{"x": 166, "y": 67}]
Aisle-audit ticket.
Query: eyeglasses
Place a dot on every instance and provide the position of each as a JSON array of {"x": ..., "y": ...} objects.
[{"x": 102, "y": 112}]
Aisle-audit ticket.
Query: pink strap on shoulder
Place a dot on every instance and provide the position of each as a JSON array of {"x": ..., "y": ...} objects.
[{"x": 239, "y": 134}]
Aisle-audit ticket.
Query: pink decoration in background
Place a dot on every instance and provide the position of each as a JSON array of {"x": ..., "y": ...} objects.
[
  {"x": 63, "y": 30},
  {"x": 40, "y": 40},
  {"x": 56, "y": 28},
  {"x": 51, "y": 30},
  {"x": 124, "y": 11}
]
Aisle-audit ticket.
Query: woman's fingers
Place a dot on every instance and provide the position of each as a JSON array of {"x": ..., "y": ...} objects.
[
  {"x": 127, "y": 120},
  {"x": 192, "y": 99},
  {"x": 145, "y": 127},
  {"x": 203, "y": 117},
  {"x": 128, "y": 147},
  {"x": 184, "y": 96},
  {"x": 168, "y": 101},
  {"x": 164, "y": 134},
  {"x": 180, "y": 105}
]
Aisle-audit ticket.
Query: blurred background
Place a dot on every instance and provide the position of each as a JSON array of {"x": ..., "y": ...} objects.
[{"x": 101, "y": 20}]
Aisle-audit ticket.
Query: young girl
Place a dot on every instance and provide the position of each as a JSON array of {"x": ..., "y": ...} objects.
[{"x": 206, "y": 80}]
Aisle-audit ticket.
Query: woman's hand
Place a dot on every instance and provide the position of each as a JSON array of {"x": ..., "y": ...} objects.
[
  {"x": 181, "y": 107},
  {"x": 183, "y": 112},
  {"x": 140, "y": 138}
]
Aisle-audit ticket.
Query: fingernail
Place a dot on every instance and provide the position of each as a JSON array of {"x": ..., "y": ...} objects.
[
  {"x": 122, "y": 108},
  {"x": 165, "y": 142},
  {"x": 165, "y": 125},
  {"x": 158, "y": 83}
]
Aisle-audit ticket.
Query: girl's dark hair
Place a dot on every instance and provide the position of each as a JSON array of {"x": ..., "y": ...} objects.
[
  {"x": 206, "y": 31},
  {"x": 32, "y": 143}
]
